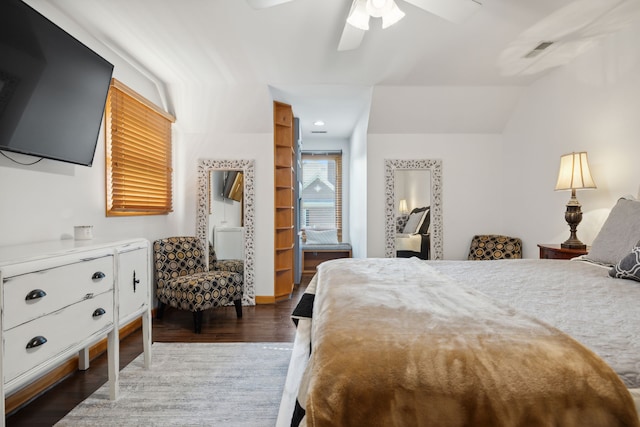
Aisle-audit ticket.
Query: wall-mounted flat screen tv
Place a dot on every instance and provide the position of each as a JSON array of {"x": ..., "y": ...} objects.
[
  {"x": 52, "y": 88},
  {"x": 233, "y": 185}
]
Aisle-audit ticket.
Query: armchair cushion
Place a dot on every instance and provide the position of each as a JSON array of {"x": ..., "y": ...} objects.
[
  {"x": 183, "y": 280},
  {"x": 201, "y": 291},
  {"x": 233, "y": 265}
]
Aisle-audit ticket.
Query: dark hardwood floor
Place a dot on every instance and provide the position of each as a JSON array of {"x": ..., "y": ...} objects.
[{"x": 260, "y": 323}]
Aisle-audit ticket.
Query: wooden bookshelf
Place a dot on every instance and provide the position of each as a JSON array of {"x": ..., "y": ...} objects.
[{"x": 284, "y": 152}]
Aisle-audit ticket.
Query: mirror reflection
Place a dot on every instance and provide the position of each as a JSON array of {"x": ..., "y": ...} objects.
[
  {"x": 226, "y": 227},
  {"x": 225, "y": 217},
  {"x": 413, "y": 213},
  {"x": 413, "y": 199}
]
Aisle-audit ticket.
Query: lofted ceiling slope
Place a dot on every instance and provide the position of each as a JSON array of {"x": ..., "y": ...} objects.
[{"x": 219, "y": 59}]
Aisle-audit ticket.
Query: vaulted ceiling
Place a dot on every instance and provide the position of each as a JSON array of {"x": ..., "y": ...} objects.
[{"x": 206, "y": 52}]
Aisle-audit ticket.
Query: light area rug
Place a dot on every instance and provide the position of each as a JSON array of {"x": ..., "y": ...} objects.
[{"x": 194, "y": 384}]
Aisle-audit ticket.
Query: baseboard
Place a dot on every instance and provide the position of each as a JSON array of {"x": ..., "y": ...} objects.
[
  {"x": 265, "y": 300},
  {"x": 36, "y": 388}
]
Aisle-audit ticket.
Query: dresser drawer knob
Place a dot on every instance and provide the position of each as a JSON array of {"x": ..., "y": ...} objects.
[
  {"x": 36, "y": 341},
  {"x": 99, "y": 312},
  {"x": 35, "y": 294},
  {"x": 98, "y": 275}
]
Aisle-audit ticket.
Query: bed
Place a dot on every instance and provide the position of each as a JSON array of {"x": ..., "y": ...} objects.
[
  {"x": 413, "y": 234},
  {"x": 454, "y": 343}
]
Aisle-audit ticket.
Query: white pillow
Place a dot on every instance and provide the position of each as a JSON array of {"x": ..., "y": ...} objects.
[
  {"x": 414, "y": 222},
  {"x": 322, "y": 237},
  {"x": 618, "y": 234}
]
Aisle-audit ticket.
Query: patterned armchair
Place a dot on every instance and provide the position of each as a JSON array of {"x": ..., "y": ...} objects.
[
  {"x": 492, "y": 247},
  {"x": 184, "y": 281},
  {"x": 235, "y": 265}
]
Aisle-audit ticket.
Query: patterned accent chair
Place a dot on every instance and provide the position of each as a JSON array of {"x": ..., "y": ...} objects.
[
  {"x": 184, "y": 281},
  {"x": 235, "y": 265},
  {"x": 492, "y": 247}
]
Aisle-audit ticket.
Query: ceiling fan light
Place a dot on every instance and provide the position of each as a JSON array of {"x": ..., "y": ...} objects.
[
  {"x": 359, "y": 17},
  {"x": 379, "y": 8},
  {"x": 393, "y": 16}
]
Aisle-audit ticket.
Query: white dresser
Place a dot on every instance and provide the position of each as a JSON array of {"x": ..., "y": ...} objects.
[{"x": 60, "y": 297}]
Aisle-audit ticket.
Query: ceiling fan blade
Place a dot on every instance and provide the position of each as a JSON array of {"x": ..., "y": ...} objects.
[
  {"x": 455, "y": 11},
  {"x": 263, "y": 4},
  {"x": 351, "y": 38}
]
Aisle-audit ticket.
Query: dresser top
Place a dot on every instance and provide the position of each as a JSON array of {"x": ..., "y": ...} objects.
[{"x": 34, "y": 251}]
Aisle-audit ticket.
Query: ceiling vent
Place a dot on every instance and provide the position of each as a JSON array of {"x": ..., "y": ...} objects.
[
  {"x": 538, "y": 49},
  {"x": 318, "y": 131}
]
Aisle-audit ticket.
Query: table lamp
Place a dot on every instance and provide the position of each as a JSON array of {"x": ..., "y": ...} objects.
[
  {"x": 574, "y": 174},
  {"x": 402, "y": 208}
]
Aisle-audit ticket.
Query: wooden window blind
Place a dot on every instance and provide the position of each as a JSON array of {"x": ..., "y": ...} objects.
[
  {"x": 138, "y": 154},
  {"x": 321, "y": 198}
]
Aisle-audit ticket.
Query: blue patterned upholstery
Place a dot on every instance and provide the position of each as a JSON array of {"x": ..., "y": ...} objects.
[{"x": 183, "y": 279}]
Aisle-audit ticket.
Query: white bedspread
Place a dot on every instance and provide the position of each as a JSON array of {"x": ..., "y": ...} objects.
[{"x": 576, "y": 297}]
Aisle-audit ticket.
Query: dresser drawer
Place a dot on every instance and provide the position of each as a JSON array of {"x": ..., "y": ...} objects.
[
  {"x": 62, "y": 330},
  {"x": 38, "y": 293}
]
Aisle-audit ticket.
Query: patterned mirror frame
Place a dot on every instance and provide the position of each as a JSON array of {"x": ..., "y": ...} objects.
[
  {"x": 435, "y": 167},
  {"x": 205, "y": 166}
]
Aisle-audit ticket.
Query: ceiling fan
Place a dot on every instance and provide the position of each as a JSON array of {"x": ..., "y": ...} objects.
[{"x": 357, "y": 22}]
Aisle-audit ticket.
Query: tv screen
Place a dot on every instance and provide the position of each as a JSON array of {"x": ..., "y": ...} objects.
[
  {"x": 233, "y": 185},
  {"x": 52, "y": 88}
]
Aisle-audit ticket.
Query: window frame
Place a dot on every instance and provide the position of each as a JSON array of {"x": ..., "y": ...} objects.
[
  {"x": 138, "y": 155},
  {"x": 324, "y": 155}
]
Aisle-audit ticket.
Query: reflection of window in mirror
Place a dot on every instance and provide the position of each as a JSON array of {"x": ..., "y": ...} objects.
[{"x": 321, "y": 196}]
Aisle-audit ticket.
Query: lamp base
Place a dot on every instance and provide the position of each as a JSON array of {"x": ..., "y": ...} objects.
[{"x": 573, "y": 216}]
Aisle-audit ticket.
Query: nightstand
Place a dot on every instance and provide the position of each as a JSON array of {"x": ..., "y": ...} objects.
[{"x": 558, "y": 252}]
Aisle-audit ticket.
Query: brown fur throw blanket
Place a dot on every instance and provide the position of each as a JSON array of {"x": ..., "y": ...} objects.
[{"x": 395, "y": 343}]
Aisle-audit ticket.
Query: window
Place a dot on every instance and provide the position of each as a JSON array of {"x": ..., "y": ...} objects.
[
  {"x": 321, "y": 197},
  {"x": 138, "y": 154}
]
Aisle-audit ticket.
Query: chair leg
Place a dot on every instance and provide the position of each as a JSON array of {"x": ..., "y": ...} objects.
[
  {"x": 238, "y": 304},
  {"x": 160, "y": 310},
  {"x": 197, "y": 321}
]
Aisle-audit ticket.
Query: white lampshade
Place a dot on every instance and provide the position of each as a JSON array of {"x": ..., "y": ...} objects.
[
  {"x": 574, "y": 172},
  {"x": 402, "y": 207}
]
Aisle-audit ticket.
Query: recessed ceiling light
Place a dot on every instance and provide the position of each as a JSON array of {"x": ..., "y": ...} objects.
[{"x": 318, "y": 123}]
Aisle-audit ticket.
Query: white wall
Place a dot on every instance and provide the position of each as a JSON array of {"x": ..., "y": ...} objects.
[
  {"x": 224, "y": 212},
  {"x": 472, "y": 183},
  {"x": 358, "y": 188},
  {"x": 44, "y": 201},
  {"x": 414, "y": 186},
  {"x": 593, "y": 105},
  {"x": 258, "y": 147}
]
